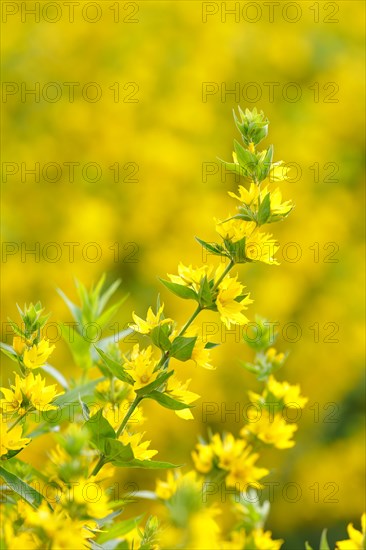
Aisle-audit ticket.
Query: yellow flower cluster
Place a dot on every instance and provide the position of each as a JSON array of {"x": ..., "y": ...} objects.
[
  {"x": 29, "y": 393},
  {"x": 33, "y": 356},
  {"x": 233, "y": 456}
]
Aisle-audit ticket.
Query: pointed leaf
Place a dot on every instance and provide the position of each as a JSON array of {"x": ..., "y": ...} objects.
[
  {"x": 106, "y": 296},
  {"x": 100, "y": 430},
  {"x": 211, "y": 345},
  {"x": 264, "y": 209},
  {"x": 160, "y": 337},
  {"x": 74, "y": 309},
  {"x": 168, "y": 402},
  {"x": 119, "y": 529},
  {"x": 115, "y": 368},
  {"x": 182, "y": 347},
  {"x": 155, "y": 384},
  {"x": 8, "y": 350},
  {"x": 108, "y": 314},
  {"x": 323, "y": 541},
  {"x": 114, "y": 450},
  {"x": 25, "y": 491},
  {"x": 204, "y": 294},
  {"x": 214, "y": 248},
  {"x": 180, "y": 290}
]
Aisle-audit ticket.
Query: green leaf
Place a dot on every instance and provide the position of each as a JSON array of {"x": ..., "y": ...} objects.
[
  {"x": 182, "y": 347},
  {"x": 155, "y": 384},
  {"x": 15, "y": 327},
  {"x": 85, "y": 409},
  {"x": 233, "y": 167},
  {"x": 323, "y": 541},
  {"x": 211, "y": 345},
  {"x": 115, "y": 368},
  {"x": 147, "y": 464},
  {"x": 180, "y": 290},
  {"x": 159, "y": 335},
  {"x": 74, "y": 309},
  {"x": 237, "y": 250},
  {"x": 205, "y": 294},
  {"x": 214, "y": 248},
  {"x": 106, "y": 296},
  {"x": 264, "y": 209},
  {"x": 108, "y": 314},
  {"x": 79, "y": 346},
  {"x": 52, "y": 371},
  {"x": 25, "y": 491},
  {"x": 100, "y": 430},
  {"x": 72, "y": 396},
  {"x": 246, "y": 159},
  {"x": 7, "y": 350},
  {"x": 307, "y": 546},
  {"x": 115, "y": 450},
  {"x": 167, "y": 401},
  {"x": 265, "y": 165},
  {"x": 119, "y": 529}
]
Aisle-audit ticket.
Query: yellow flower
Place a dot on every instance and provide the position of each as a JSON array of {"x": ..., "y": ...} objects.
[
  {"x": 247, "y": 196},
  {"x": 256, "y": 540},
  {"x": 263, "y": 540},
  {"x": 227, "y": 449},
  {"x": 166, "y": 489},
  {"x": 235, "y": 456},
  {"x": 278, "y": 172},
  {"x": 19, "y": 345},
  {"x": 12, "y": 440},
  {"x": 12, "y": 400},
  {"x": 235, "y": 230},
  {"x": 190, "y": 276},
  {"x": 273, "y": 357},
  {"x": 271, "y": 429},
  {"x": 254, "y": 196},
  {"x": 200, "y": 355},
  {"x": 37, "y": 355},
  {"x": 203, "y": 458},
  {"x": 278, "y": 208},
  {"x": 174, "y": 482},
  {"x": 357, "y": 539},
  {"x": 152, "y": 320},
  {"x": 17, "y": 540},
  {"x": 178, "y": 390},
  {"x": 243, "y": 472},
  {"x": 29, "y": 393},
  {"x": 259, "y": 247},
  {"x": 289, "y": 394},
  {"x": 84, "y": 500},
  {"x": 140, "y": 450},
  {"x": 230, "y": 290},
  {"x": 141, "y": 366},
  {"x": 59, "y": 529}
]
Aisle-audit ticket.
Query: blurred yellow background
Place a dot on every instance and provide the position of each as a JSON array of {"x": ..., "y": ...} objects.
[{"x": 144, "y": 87}]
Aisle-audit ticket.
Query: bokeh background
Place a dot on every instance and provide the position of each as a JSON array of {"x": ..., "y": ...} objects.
[{"x": 165, "y": 135}]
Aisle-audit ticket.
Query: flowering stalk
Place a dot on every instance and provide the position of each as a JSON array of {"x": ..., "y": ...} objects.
[{"x": 110, "y": 436}]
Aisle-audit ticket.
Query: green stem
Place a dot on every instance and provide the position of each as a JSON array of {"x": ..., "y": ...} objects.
[
  {"x": 102, "y": 459},
  {"x": 16, "y": 422},
  {"x": 229, "y": 266},
  {"x": 190, "y": 320},
  {"x": 130, "y": 411},
  {"x": 98, "y": 466}
]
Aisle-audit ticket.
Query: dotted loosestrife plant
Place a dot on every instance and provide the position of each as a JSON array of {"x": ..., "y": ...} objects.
[{"x": 70, "y": 504}]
